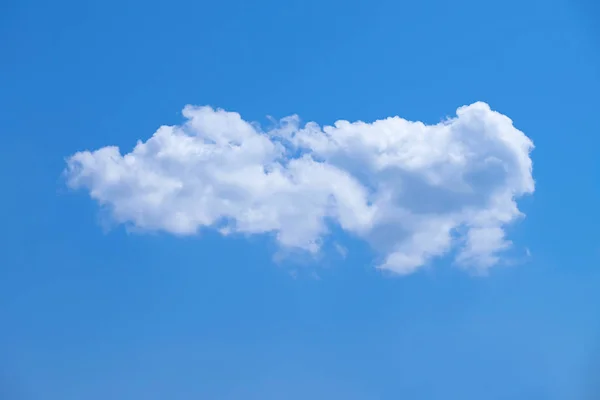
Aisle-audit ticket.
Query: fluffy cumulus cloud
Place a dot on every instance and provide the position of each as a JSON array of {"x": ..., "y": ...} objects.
[{"x": 413, "y": 191}]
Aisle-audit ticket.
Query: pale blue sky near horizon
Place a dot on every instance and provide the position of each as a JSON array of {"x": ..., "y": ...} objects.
[{"x": 92, "y": 313}]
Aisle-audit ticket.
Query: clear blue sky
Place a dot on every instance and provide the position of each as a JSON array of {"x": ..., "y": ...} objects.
[{"x": 90, "y": 311}]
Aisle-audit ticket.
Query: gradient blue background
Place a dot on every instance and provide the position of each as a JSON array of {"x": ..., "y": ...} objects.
[{"x": 89, "y": 314}]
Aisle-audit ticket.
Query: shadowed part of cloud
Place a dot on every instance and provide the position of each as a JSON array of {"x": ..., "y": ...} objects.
[{"x": 413, "y": 191}]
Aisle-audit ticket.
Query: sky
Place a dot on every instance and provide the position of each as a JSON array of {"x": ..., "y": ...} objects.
[{"x": 299, "y": 200}]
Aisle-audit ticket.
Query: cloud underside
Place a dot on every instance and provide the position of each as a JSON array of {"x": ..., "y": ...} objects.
[{"x": 413, "y": 191}]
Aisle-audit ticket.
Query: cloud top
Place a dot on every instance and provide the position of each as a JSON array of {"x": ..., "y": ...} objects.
[{"x": 413, "y": 191}]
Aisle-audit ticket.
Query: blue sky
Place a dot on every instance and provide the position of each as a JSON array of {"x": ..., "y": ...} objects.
[{"x": 115, "y": 303}]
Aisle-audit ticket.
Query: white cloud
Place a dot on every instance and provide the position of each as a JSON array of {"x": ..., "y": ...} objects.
[{"x": 413, "y": 191}]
